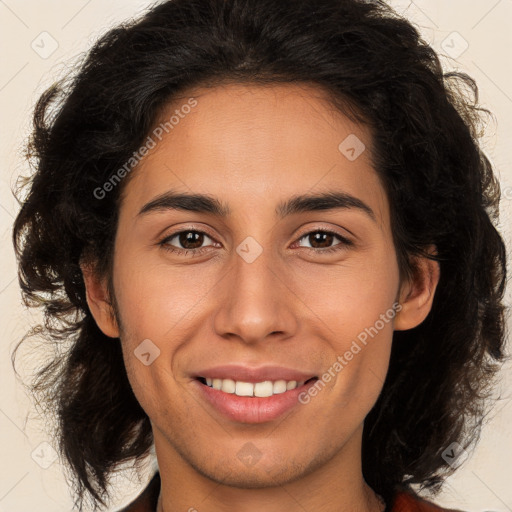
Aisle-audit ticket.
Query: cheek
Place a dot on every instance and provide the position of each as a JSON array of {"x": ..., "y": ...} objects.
[
  {"x": 155, "y": 299},
  {"x": 160, "y": 309},
  {"x": 351, "y": 295},
  {"x": 356, "y": 304}
]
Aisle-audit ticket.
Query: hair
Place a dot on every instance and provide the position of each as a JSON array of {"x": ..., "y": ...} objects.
[{"x": 442, "y": 190}]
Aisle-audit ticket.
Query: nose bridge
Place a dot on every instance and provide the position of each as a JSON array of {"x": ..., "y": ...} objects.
[{"x": 255, "y": 303}]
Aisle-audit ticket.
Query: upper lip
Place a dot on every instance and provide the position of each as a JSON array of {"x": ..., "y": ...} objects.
[{"x": 259, "y": 374}]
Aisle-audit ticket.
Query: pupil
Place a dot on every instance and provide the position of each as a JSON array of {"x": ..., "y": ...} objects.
[
  {"x": 324, "y": 236},
  {"x": 188, "y": 238}
]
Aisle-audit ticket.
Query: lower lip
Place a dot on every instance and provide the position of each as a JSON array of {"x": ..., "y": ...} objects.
[{"x": 252, "y": 409}]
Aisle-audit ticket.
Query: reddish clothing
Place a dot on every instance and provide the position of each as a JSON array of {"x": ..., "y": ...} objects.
[{"x": 402, "y": 502}]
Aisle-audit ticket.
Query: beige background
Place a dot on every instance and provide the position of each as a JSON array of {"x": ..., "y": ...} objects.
[{"x": 40, "y": 40}]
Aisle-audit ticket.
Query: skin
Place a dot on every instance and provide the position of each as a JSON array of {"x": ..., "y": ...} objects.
[{"x": 252, "y": 147}]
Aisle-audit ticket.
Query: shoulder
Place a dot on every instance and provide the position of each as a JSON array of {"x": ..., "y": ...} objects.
[
  {"x": 147, "y": 500},
  {"x": 406, "y": 502}
]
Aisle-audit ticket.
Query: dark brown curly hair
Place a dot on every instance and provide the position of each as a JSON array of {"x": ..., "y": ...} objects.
[{"x": 440, "y": 185}]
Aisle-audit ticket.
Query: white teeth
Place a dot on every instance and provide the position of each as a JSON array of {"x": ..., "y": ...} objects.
[
  {"x": 258, "y": 389},
  {"x": 263, "y": 389},
  {"x": 244, "y": 389},
  {"x": 292, "y": 384},
  {"x": 228, "y": 386},
  {"x": 279, "y": 386}
]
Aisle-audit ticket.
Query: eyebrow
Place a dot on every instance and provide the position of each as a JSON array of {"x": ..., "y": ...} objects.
[{"x": 202, "y": 203}]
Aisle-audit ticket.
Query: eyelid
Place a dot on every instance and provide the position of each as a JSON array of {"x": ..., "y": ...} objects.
[
  {"x": 191, "y": 227},
  {"x": 334, "y": 231},
  {"x": 303, "y": 232}
]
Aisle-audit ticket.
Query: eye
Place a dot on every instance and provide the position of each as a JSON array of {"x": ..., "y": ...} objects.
[
  {"x": 324, "y": 239},
  {"x": 190, "y": 240}
]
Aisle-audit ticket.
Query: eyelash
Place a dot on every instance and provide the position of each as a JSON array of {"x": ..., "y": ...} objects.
[{"x": 344, "y": 242}]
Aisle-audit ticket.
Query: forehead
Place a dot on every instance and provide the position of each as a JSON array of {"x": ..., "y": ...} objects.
[{"x": 253, "y": 145}]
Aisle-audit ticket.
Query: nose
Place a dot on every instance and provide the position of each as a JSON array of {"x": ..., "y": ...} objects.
[{"x": 255, "y": 301}]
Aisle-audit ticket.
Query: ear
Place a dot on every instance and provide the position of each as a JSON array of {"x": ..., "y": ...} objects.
[
  {"x": 417, "y": 293},
  {"x": 99, "y": 302}
]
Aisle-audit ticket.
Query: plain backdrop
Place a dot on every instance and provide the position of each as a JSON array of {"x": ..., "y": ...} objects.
[{"x": 40, "y": 40}]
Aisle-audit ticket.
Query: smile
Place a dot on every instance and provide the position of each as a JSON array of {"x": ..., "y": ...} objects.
[
  {"x": 256, "y": 389},
  {"x": 241, "y": 402}
]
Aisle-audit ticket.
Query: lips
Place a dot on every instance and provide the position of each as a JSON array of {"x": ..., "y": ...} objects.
[
  {"x": 238, "y": 403},
  {"x": 254, "y": 374},
  {"x": 249, "y": 409}
]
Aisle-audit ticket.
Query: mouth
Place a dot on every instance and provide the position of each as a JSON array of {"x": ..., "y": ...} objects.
[
  {"x": 248, "y": 402},
  {"x": 261, "y": 389}
]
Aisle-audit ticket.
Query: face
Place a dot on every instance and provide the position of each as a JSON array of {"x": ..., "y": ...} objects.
[{"x": 258, "y": 285}]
